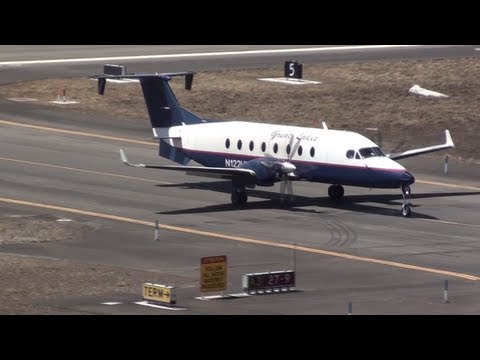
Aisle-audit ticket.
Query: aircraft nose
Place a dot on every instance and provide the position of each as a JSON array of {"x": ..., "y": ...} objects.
[{"x": 407, "y": 178}]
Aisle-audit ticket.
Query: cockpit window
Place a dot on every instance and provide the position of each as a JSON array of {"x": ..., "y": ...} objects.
[
  {"x": 350, "y": 154},
  {"x": 371, "y": 152}
]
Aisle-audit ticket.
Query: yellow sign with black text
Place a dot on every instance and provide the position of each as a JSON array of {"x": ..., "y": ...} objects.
[
  {"x": 161, "y": 293},
  {"x": 213, "y": 276}
]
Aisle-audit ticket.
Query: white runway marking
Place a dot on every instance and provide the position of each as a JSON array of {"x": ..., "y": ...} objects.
[
  {"x": 211, "y": 297},
  {"x": 228, "y": 296},
  {"x": 112, "y": 303},
  {"x": 121, "y": 81},
  {"x": 145, "y": 303},
  {"x": 60, "y": 102},
  {"x": 22, "y": 99},
  {"x": 208, "y": 54},
  {"x": 291, "y": 81}
]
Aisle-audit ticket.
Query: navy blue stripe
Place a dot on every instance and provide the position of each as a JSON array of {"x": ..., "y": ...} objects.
[{"x": 314, "y": 171}]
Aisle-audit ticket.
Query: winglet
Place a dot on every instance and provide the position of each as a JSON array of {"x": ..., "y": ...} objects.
[
  {"x": 449, "y": 141},
  {"x": 125, "y": 160}
]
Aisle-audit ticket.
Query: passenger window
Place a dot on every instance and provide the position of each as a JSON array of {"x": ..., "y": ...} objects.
[
  {"x": 239, "y": 145},
  {"x": 227, "y": 143},
  {"x": 264, "y": 147},
  {"x": 312, "y": 152},
  {"x": 251, "y": 146},
  {"x": 350, "y": 154},
  {"x": 300, "y": 151},
  {"x": 275, "y": 148},
  {"x": 289, "y": 148}
]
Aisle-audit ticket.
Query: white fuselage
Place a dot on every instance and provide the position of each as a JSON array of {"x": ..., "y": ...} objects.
[{"x": 322, "y": 155}]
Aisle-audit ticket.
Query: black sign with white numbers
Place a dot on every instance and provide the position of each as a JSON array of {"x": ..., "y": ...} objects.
[
  {"x": 293, "y": 69},
  {"x": 269, "y": 280}
]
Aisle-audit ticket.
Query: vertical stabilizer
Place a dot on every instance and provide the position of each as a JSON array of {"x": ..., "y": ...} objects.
[{"x": 162, "y": 105}]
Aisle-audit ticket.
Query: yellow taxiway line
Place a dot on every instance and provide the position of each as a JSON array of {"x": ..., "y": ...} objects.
[
  {"x": 212, "y": 234},
  {"x": 436, "y": 183},
  {"x": 244, "y": 239},
  {"x": 79, "y": 133},
  {"x": 83, "y": 171}
]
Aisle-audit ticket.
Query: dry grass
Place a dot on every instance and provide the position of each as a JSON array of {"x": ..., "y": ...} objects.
[
  {"x": 352, "y": 96},
  {"x": 29, "y": 283},
  {"x": 33, "y": 285},
  {"x": 38, "y": 228}
]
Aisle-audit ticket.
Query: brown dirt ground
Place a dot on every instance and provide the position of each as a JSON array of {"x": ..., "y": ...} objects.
[
  {"x": 352, "y": 96},
  {"x": 29, "y": 284}
]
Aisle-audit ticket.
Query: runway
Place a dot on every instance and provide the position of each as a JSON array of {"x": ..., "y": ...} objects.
[
  {"x": 10, "y": 73},
  {"x": 361, "y": 251}
]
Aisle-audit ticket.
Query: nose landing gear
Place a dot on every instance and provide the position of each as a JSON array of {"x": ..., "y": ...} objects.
[
  {"x": 406, "y": 192},
  {"x": 336, "y": 192}
]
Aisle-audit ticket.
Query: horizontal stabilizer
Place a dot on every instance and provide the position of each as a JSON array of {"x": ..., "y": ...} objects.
[
  {"x": 102, "y": 79},
  {"x": 447, "y": 145}
]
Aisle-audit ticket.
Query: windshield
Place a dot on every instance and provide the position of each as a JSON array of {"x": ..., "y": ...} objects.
[{"x": 371, "y": 152}]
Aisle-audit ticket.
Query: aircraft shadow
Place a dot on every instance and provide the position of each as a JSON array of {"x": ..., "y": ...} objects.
[{"x": 296, "y": 203}]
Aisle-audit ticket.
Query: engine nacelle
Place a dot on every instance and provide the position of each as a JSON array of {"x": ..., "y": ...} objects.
[{"x": 268, "y": 170}]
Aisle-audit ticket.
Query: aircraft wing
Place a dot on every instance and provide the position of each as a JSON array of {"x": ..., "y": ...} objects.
[
  {"x": 447, "y": 145},
  {"x": 243, "y": 175}
]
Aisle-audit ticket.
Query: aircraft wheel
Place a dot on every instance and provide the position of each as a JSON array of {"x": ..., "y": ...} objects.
[
  {"x": 406, "y": 211},
  {"x": 235, "y": 198},
  {"x": 336, "y": 192},
  {"x": 243, "y": 197}
]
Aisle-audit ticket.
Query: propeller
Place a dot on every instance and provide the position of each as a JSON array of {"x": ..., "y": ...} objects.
[{"x": 285, "y": 169}]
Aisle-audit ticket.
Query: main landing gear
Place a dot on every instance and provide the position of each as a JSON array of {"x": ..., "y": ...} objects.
[
  {"x": 336, "y": 192},
  {"x": 406, "y": 192},
  {"x": 239, "y": 196}
]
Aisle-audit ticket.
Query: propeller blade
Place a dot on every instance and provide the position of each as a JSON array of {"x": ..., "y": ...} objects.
[
  {"x": 289, "y": 187},
  {"x": 295, "y": 148},
  {"x": 283, "y": 185}
]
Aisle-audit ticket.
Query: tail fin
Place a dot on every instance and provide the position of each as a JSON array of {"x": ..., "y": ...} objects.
[{"x": 162, "y": 105}]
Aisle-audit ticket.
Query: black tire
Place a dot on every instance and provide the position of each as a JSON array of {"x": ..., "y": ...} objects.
[
  {"x": 336, "y": 192},
  {"x": 235, "y": 198},
  {"x": 340, "y": 191},
  {"x": 243, "y": 197}
]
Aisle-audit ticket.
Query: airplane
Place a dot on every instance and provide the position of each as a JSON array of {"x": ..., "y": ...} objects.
[{"x": 251, "y": 154}]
